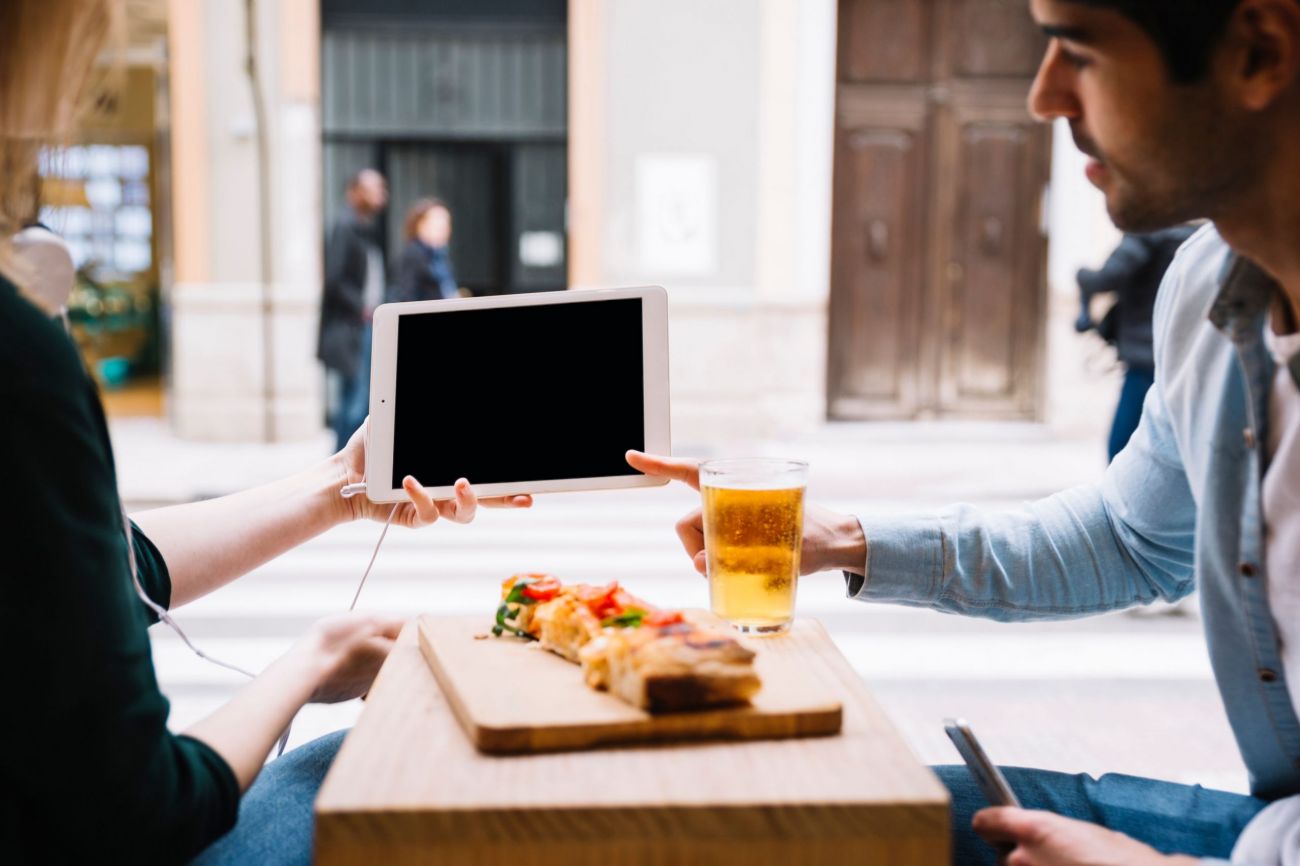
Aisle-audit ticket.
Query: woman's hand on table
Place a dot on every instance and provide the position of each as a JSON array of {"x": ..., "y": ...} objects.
[
  {"x": 346, "y": 651},
  {"x": 422, "y": 509},
  {"x": 831, "y": 541},
  {"x": 1046, "y": 839},
  {"x": 336, "y": 660}
]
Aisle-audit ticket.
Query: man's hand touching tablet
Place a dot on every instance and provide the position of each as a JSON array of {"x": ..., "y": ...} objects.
[
  {"x": 831, "y": 541},
  {"x": 422, "y": 509}
]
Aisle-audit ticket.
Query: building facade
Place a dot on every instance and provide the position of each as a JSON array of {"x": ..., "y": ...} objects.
[{"x": 699, "y": 149}]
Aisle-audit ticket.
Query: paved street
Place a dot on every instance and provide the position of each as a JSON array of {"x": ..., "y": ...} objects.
[{"x": 1120, "y": 693}]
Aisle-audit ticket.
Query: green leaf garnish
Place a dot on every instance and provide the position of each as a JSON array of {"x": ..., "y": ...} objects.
[
  {"x": 516, "y": 594},
  {"x": 506, "y": 612},
  {"x": 630, "y": 618}
]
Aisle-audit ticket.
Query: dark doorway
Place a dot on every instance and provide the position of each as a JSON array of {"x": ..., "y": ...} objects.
[
  {"x": 938, "y": 255},
  {"x": 460, "y": 100}
]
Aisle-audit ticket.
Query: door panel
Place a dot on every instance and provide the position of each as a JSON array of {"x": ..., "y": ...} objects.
[
  {"x": 989, "y": 39},
  {"x": 884, "y": 41},
  {"x": 984, "y": 336},
  {"x": 937, "y": 269},
  {"x": 877, "y": 253},
  {"x": 993, "y": 308}
]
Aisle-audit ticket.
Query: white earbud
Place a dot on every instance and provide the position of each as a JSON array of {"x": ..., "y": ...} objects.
[{"x": 44, "y": 263}]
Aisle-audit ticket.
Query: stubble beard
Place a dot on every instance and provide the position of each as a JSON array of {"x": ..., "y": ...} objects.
[{"x": 1197, "y": 164}]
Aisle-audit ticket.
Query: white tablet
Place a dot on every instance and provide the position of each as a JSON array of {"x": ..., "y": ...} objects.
[{"x": 531, "y": 393}]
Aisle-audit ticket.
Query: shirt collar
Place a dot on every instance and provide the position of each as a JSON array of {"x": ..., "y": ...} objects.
[{"x": 1246, "y": 291}]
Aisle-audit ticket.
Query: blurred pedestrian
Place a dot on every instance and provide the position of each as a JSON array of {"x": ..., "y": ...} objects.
[
  {"x": 355, "y": 281},
  {"x": 1133, "y": 273},
  {"x": 424, "y": 272}
]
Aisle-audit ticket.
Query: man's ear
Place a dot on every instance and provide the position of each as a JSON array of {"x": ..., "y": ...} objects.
[{"x": 1262, "y": 51}]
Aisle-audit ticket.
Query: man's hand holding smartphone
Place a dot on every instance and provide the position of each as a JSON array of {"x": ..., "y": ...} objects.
[{"x": 1036, "y": 838}]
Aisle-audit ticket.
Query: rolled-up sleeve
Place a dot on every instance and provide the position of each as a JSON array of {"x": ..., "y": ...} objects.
[{"x": 1128, "y": 540}]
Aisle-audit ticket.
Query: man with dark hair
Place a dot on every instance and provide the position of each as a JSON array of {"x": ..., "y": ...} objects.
[
  {"x": 1188, "y": 109},
  {"x": 1184, "y": 31},
  {"x": 355, "y": 283}
]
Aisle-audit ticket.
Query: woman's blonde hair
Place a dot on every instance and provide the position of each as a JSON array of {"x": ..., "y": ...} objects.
[{"x": 48, "y": 59}]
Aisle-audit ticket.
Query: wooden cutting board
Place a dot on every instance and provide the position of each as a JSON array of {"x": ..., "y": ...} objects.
[{"x": 513, "y": 697}]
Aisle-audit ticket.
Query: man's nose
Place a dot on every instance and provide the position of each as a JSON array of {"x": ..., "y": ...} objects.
[{"x": 1052, "y": 94}]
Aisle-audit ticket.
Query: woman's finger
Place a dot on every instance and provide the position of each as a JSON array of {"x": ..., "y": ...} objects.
[
  {"x": 463, "y": 508},
  {"x": 426, "y": 510},
  {"x": 521, "y": 501}
]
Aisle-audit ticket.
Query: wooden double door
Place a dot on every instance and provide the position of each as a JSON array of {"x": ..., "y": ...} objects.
[{"x": 938, "y": 282}]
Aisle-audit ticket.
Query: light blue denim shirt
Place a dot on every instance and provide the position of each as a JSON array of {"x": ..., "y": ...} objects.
[{"x": 1178, "y": 509}]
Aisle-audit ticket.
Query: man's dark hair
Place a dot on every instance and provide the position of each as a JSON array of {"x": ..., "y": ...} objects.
[{"x": 1185, "y": 31}]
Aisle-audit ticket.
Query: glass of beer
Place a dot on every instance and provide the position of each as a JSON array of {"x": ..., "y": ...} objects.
[{"x": 753, "y": 533}]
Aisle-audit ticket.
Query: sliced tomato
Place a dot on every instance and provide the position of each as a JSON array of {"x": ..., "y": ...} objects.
[
  {"x": 602, "y": 601},
  {"x": 663, "y": 617},
  {"x": 543, "y": 588},
  {"x": 626, "y": 600}
]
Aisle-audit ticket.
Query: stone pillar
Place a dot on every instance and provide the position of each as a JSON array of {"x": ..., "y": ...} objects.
[{"x": 220, "y": 328}]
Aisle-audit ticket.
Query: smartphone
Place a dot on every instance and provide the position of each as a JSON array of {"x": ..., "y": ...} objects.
[{"x": 987, "y": 775}]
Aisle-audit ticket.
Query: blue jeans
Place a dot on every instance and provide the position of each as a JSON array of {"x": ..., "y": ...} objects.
[
  {"x": 275, "y": 815},
  {"x": 1137, "y": 381},
  {"x": 1173, "y": 819},
  {"x": 354, "y": 396}
]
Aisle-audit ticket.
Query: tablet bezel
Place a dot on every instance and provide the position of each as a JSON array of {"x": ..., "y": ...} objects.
[{"x": 383, "y": 384}]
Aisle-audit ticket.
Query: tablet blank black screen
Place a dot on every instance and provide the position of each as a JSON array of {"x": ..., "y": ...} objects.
[{"x": 518, "y": 394}]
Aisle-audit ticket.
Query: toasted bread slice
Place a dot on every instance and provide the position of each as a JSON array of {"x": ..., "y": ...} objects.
[{"x": 657, "y": 660}]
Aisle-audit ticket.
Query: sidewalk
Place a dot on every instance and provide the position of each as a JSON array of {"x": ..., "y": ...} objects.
[
  {"x": 1116, "y": 693},
  {"x": 925, "y": 464}
]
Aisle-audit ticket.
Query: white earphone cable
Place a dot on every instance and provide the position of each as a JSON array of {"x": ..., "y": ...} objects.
[
  {"x": 159, "y": 610},
  {"x": 165, "y": 617},
  {"x": 387, "y": 523}
]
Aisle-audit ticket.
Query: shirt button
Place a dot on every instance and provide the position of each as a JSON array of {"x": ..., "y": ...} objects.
[
  {"x": 1248, "y": 569},
  {"x": 1267, "y": 675},
  {"x": 1249, "y": 436}
]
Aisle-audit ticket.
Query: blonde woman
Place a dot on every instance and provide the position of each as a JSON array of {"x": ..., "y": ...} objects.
[{"x": 89, "y": 771}]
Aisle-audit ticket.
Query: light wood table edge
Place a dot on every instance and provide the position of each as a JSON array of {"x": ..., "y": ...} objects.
[{"x": 346, "y": 834}]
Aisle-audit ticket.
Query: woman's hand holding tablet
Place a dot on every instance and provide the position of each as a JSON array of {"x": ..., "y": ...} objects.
[{"x": 422, "y": 509}]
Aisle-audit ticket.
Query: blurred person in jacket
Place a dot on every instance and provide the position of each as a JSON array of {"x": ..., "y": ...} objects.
[
  {"x": 355, "y": 280},
  {"x": 424, "y": 272},
  {"x": 1133, "y": 274}
]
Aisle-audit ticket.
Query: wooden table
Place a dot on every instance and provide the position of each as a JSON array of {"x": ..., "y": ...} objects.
[{"x": 408, "y": 787}]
